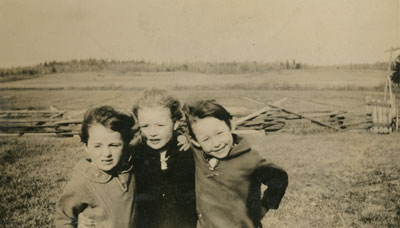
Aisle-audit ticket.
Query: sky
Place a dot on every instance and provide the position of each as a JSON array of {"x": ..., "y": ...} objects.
[{"x": 308, "y": 31}]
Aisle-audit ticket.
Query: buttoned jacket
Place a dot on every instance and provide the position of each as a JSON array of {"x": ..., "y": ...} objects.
[
  {"x": 90, "y": 187},
  {"x": 229, "y": 195}
]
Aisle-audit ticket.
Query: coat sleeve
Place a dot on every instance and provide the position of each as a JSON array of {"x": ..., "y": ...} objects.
[
  {"x": 70, "y": 204},
  {"x": 276, "y": 179}
]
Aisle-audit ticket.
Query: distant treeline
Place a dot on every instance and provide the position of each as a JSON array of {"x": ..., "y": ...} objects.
[{"x": 148, "y": 66}]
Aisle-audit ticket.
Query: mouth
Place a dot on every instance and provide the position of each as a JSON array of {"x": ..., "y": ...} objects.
[
  {"x": 154, "y": 141},
  {"x": 219, "y": 150},
  {"x": 107, "y": 161}
]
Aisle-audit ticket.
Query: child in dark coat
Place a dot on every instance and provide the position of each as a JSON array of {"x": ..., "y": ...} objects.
[
  {"x": 164, "y": 174},
  {"x": 229, "y": 173}
]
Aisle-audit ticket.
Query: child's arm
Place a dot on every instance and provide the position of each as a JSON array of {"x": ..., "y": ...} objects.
[
  {"x": 276, "y": 179},
  {"x": 69, "y": 206}
]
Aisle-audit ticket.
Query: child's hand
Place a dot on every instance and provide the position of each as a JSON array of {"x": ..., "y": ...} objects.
[
  {"x": 183, "y": 143},
  {"x": 91, "y": 217},
  {"x": 85, "y": 222}
]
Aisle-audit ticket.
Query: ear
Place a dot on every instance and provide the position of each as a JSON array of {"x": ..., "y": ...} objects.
[{"x": 233, "y": 125}]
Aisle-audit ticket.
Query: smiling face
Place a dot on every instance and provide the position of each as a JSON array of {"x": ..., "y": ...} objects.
[
  {"x": 214, "y": 136},
  {"x": 156, "y": 126},
  {"x": 104, "y": 146}
]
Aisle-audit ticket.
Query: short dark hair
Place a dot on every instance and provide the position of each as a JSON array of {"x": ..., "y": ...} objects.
[
  {"x": 109, "y": 118},
  {"x": 201, "y": 109}
]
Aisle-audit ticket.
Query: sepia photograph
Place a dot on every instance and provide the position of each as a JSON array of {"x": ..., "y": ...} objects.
[{"x": 199, "y": 113}]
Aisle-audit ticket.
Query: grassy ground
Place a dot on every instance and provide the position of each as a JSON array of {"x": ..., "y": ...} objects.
[
  {"x": 298, "y": 100},
  {"x": 336, "y": 179},
  {"x": 287, "y": 80},
  {"x": 33, "y": 173}
]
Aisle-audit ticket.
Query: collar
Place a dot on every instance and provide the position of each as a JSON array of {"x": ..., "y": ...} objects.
[
  {"x": 86, "y": 168},
  {"x": 240, "y": 146}
]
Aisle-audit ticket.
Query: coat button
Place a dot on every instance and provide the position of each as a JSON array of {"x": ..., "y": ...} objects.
[{"x": 200, "y": 215}]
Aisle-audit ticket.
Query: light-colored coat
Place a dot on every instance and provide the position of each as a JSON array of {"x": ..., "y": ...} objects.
[{"x": 112, "y": 197}]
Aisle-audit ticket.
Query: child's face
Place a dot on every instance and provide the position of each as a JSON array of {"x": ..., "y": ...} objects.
[
  {"x": 214, "y": 136},
  {"x": 156, "y": 126},
  {"x": 104, "y": 146}
]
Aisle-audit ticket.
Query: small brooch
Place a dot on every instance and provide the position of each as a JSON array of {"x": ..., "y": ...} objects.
[{"x": 213, "y": 163}]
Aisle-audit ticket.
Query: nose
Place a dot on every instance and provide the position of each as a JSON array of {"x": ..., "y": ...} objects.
[
  {"x": 152, "y": 131},
  {"x": 107, "y": 152}
]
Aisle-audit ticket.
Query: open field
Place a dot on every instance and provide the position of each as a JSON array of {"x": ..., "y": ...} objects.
[
  {"x": 299, "y": 79},
  {"x": 344, "y": 179}
]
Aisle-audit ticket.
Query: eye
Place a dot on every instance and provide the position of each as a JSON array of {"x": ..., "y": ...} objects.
[
  {"x": 160, "y": 125},
  {"x": 220, "y": 132},
  {"x": 115, "y": 145},
  {"x": 205, "y": 140},
  {"x": 97, "y": 146},
  {"x": 144, "y": 125}
]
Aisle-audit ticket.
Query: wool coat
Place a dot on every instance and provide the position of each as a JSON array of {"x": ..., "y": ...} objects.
[
  {"x": 165, "y": 198},
  {"x": 230, "y": 195},
  {"x": 110, "y": 197}
]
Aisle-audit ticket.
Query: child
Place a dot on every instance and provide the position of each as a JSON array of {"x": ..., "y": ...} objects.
[
  {"x": 103, "y": 184},
  {"x": 165, "y": 175},
  {"x": 229, "y": 173}
]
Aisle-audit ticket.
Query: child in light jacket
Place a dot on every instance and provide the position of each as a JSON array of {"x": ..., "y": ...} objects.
[
  {"x": 228, "y": 173},
  {"x": 102, "y": 185}
]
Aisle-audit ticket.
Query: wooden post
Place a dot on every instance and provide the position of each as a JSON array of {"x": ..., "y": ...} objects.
[
  {"x": 385, "y": 91},
  {"x": 368, "y": 104},
  {"x": 393, "y": 108},
  {"x": 390, "y": 119},
  {"x": 385, "y": 120},
  {"x": 380, "y": 123},
  {"x": 374, "y": 117},
  {"x": 387, "y": 83},
  {"x": 397, "y": 119},
  {"x": 390, "y": 88}
]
